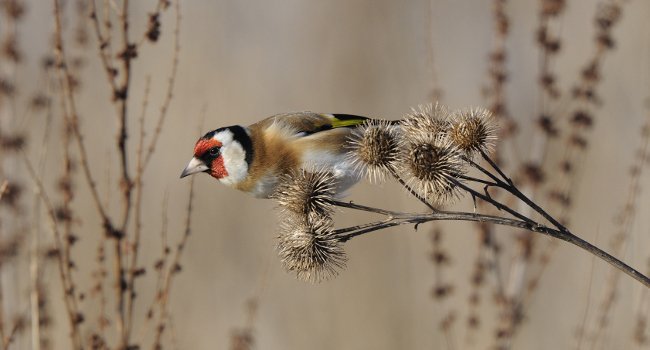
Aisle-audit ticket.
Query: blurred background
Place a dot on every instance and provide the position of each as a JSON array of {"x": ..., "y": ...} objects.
[{"x": 241, "y": 61}]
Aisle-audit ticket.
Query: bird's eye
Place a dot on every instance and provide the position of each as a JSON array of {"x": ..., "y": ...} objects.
[{"x": 214, "y": 151}]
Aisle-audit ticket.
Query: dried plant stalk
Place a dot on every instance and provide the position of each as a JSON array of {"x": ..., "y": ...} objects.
[{"x": 319, "y": 254}]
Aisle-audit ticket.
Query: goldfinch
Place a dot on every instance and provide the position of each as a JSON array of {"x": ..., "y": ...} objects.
[{"x": 253, "y": 159}]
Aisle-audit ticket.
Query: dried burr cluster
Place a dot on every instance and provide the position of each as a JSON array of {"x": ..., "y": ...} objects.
[
  {"x": 427, "y": 151},
  {"x": 308, "y": 244},
  {"x": 433, "y": 153}
]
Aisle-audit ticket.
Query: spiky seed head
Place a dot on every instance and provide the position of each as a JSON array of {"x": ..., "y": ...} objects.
[
  {"x": 430, "y": 165},
  {"x": 426, "y": 121},
  {"x": 307, "y": 193},
  {"x": 473, "y": 130},
  {"x": 310, "y": 248},
  {"x": 374, "y": 149}
]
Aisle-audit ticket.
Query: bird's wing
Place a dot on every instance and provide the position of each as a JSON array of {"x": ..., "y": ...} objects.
[{"x": 308, "y": 123}]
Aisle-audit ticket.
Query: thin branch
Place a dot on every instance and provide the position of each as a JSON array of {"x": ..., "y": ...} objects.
[
  {"x": 68, "y": 291},
  {"x": 3, "y": 336},
  {"x": 415, "y": 194},
  {"x": 170, "y": 85},
  {"x": 128, "y": 52},
  {"x": 495, "y": 167},
  {"x": 359, "y": 228},
  {"x": 34, "y": 259},
  {"x": 12, "y": 334},
  {"x": 483, "y": 170},
  {"x": 474, "y": 179},
  {"x": 104, "y": 47},
  {"x": 173, "y": 269},
  {"x": 70, "y": 111},
  {"x": 490, "y": 200},
  {"x": 510, "y": 187},
  {"x": 365, "y": 208},
  {"x": 132, "y": 267},
  {"x": 530, "y": 226}
]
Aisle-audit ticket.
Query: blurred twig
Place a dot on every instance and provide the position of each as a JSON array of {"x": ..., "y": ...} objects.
[
  {"x": 172, "y": 270},
  {"x": 170, "y": 84},
  {"x": 74, "y": 316}
]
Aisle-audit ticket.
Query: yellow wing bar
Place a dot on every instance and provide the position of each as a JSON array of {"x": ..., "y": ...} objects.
[{"x": 345, "y": 120}]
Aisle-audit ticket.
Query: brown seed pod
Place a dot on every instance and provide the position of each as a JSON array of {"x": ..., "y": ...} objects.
[
  {"x": 473, "y": 130},
  {"x": 374, "y": 149},
  {"x": 310, "y": 248},
  {"x": 426, "y": 121},
  {"x": 307, "y": 193},
  {"x": 430, "y": 165}
]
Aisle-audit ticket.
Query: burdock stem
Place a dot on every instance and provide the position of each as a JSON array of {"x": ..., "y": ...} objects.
[
  {"x": 520, "y": 221},
  {"x": 415, "y": 194},
  {"x": 398, "y": 218},
  {"x": 509, "y": 186}
]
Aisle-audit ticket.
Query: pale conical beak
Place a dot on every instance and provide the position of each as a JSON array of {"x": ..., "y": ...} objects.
[{"x": 194, "y": 166}]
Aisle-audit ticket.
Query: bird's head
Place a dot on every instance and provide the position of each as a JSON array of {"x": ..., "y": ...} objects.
[{"x": 225, "y": 154}]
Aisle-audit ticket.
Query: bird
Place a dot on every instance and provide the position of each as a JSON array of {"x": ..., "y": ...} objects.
[{"x": 254, "y": 158}]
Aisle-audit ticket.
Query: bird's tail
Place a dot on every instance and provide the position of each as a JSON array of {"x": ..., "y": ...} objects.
[{"x": 348, "y": 120}]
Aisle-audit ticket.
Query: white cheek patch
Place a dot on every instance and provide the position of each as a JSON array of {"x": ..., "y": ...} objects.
[
  {"x": 234, "y": 158},
  {"x": 225, "y": 136}
]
